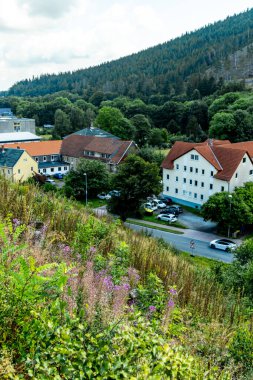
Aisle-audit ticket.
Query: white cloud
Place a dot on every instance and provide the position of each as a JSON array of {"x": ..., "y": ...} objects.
[{"x": 39, "y": 36}]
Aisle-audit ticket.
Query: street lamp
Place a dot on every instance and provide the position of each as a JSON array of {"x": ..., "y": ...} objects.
[
  {"x": 230, "y": 198},
  {"x": 86, "y": 189}
]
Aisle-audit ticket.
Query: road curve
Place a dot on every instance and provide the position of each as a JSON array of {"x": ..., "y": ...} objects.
[{"x": 183, "y": 244}]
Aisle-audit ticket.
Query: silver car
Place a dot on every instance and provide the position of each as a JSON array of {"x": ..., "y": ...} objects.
[
  {"x": 223, "y": 244},
  {"x": 167, "y": 217}
]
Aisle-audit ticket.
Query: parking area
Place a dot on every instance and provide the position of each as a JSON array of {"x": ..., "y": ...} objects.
[{"x": 193, "y": 221}]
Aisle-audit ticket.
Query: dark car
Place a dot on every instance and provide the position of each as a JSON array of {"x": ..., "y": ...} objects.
[
  {"x": 170, "y": 210},
  {"x": 179, "y": 208},
  {"x": 166, "y": 200},
  {"x": 58, "y": 175}
]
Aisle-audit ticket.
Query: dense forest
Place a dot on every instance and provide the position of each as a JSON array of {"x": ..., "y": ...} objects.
[{"x": 197, "y": 60}]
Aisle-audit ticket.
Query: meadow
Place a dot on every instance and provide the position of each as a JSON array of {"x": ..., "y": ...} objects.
[{"x": 84, "y": 298}]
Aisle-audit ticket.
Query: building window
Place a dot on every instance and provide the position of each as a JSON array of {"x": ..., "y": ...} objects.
[
  {"x": 52, "y": 170},
  {"x": 196, "y": 183},
  {"x": 190, "y": 193},
  {"x": 202, "y": 184},
  {"x": 244, "y": 159},
  {"x": 184, "y": 180},
  {"x": 202, "y": 197},
  {"x": 167, "y": 188},
  {"x": 211, "y": 173},
  {"x": 192, "y": 156},
  {"x": 177, "y": 166},
  {"x": 36, "y": 159},
  {"x": 211, "y": 186},
  {"x": 191, "y": 169},
  {"x": 222, "y": 188},
  {"x": 9, "y": 171},
  {"x": 185, "y": 168},
  {"x": 251, "y": 172},
  {"x": 196, "y": 157},
  {"x": 168, "y": 176},
  {"x": 203, "y": 171},
  {"x": 44, "y": 170},
  {"x": 32, "y": 168},
  {"x": 176, "y": 191},
  {"x": 196, "y": 170},
  {"x": 176, "y": 179},
  {"x": 195, "y": 195},
  {"x": 190, "y": 181},
  {"x": 53, "y": 158},
  {"x": 19, "y": 171},
  {"x": 44, "y": 158},
  {"x": 236, "y": 175},
  {"x": 65, "y": 168},
  {"x": 59, "y": 169}
]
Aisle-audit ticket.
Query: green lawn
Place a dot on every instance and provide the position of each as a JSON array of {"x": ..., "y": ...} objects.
[
  {"x": 96, "y": 202},
  {"x": 154, "y": 227}
]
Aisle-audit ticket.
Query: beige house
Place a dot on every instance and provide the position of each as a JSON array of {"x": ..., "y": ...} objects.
[
  {"x": 17, "y": 164},
  {"x": 192, "y": 172}
]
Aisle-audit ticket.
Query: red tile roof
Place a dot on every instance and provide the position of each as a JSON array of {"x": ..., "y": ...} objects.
[
  {"x": 75, "y": 145},
  {"x": 223, "y": 155},
  {"x": 38, "y": 148}
]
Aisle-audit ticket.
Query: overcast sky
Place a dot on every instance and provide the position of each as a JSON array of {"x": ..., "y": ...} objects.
[{"x": 51, "y": 36}]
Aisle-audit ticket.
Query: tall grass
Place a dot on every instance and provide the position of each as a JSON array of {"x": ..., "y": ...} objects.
[{"x": 196, "y": 288}]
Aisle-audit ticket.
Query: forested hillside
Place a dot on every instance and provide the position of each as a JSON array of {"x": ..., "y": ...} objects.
[{"x": 194, "y": 61}]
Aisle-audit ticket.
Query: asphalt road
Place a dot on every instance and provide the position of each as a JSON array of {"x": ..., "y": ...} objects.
[{"x": 183, "y": 244}]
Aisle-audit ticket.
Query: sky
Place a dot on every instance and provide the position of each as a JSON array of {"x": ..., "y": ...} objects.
[{"x": 52, "y": 36}]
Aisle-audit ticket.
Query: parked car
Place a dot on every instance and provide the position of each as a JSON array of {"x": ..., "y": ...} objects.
[
  {"x": 49, "y": 180},
  {"x": 58, "y": 175},
  {"x": 114, "y": 193},
  {"x": 104, "y": 196},
  {"x": 179, "y": 208},
  {"x": 167, "y": 217},
  {"x": 151, "y": 206},
  {"x": 223, "y": 244},
  {"x": 159, "y": 203},
  {"x": 147, "y": 210},
  {"x": 170, "y": 210},
  {"x": 151, "y": 198},
  {"x": 166, "y": 200}
]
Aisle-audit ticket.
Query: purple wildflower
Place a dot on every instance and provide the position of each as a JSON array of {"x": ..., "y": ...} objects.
[
  {"x": 16, "y": 222},
  {"x": 66, "y": 249},
  {"x": 173, "y": 292},
  {"x": 152, "y": 309},
  {"x": 171, "y": 303},
  {"x": 107, "y": 282}
]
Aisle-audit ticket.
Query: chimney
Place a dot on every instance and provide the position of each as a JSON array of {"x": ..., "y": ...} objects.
[{"x": 18, "y": 147}]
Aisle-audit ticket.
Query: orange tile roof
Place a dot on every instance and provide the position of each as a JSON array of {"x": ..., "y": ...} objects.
[{"x": 38, "y": 148}]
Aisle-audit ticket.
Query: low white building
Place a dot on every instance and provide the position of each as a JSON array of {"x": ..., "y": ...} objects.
[
  {"x": 10, "y": 124},
  {"x": 192, "y": 172}
]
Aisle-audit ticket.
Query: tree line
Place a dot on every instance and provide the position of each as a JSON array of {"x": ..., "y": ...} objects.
[{"x": 194, "y": 61}]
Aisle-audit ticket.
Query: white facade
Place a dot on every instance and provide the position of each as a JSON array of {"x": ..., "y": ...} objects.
[{"x": 192, "y": 182}]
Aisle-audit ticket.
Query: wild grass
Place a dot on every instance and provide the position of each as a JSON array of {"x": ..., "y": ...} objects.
[{"x": 62, "y": 218}]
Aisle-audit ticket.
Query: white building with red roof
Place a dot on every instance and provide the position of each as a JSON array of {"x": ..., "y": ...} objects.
[{"x": 192, "y": 172}]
